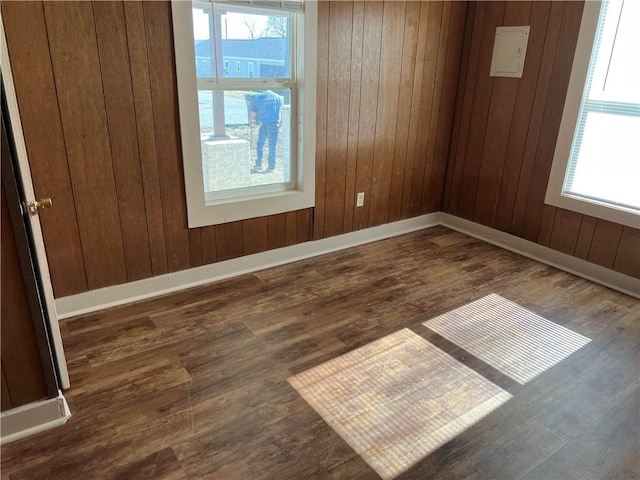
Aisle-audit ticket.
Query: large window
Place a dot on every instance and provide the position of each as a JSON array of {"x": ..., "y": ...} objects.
[
  {"x": 247, "y": 133},
  {"x": 596, "y": 167}
]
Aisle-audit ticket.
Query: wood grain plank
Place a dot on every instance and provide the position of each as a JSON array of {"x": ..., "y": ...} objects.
[
  {"x": 255, "y": 237},
  {"x": 415, "y": 118},
  {"x": 539, "y": 20},
  {"x": 585, "y": 235},
  {"x": 6, "y": 402},
  {"x": 605, "y": 242},
  {"x": 340, "y": 22},
  {"x": 371, "y": 51},
  {"x": 447, "y": 106},
  {"x": 195, "y": 247},
  {"x": 387, "y": 113},
  {"x": 118, "y": 95},
  {"x": 146, "y": 133},
  {"x": 566, "y": 229},
  {"x": 537, "y": 113},
  {"x": 291, "y": 228},
  {"x": 304, "y": 225},
  {"x": 435, "y": 119},
  {"x": 76, "y": 69},
  {"x": 483, "y": 94},
  {"x": 321, "y": 118},
  {"x": 551, "y": 120},
  {"x": 229, "y": 238},
  {"x": 158, "y": 28},
  {"x": 461, "y": 140},
  {"x": 627, "y": 260},
  {"x": 276, "y": 231},
  {"x": 463, "y": 79},
  {"x": 161, "y": 464},
  {"x": 403, "y": 117},
  {"x": 162, "y": 367},
  {"x": 547, "y": 225},
  {"x": 208, "y": 237},
  {"x": 416, "y": 183},
  {"x": 595, "y": 450},
  {"x": 357, "y": 36},
  {"x": 26, "y": 35},
  {"x": 499, "y": 123}
]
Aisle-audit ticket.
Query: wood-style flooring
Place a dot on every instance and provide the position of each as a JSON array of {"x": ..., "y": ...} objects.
[{"x": 194, "y": 384}]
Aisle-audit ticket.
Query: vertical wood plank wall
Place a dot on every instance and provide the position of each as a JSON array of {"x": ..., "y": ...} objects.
[
  {"x": 505, "y": 131},
  {"x": 97, "y": 93},
  {"x": 387, "y": 74}
]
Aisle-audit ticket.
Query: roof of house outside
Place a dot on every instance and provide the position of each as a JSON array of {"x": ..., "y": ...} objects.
[{"x": 268, "y": 48}]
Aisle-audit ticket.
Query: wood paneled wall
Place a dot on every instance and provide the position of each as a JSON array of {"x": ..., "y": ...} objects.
[
  {"x": 97, "y": 95},
  {"x": 387, "y": 74},
  {"x": 97, "y": 92},
  {"x": 505, "y": 131}
]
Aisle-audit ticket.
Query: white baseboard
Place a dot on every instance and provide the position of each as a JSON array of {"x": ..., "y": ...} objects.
[
  {"x": 95, "y": 300},
  {"x": 33, "y": 418},
  {"x": 99, "y": 299},
  {"x": 604, "y": 276}
]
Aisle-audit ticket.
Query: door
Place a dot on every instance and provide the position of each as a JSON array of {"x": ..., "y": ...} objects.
[
  {"x": 28, "y": 372},
  {"x": 33, "y": 230}
]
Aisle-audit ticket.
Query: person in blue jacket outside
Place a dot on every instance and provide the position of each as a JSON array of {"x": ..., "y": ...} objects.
[{"x": 266, "y": 111}]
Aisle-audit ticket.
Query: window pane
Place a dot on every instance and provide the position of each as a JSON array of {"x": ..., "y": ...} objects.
[
  {"x": 608, "y": 166},
  {"x": 259, "y": 44},
  {"x": 231, "y": 140},
  {"x": 604, "y": 163},
  {"x": 615, "y": 76}
]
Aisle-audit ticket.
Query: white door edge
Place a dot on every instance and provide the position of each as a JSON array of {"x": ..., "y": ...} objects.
[{"x": 25, "y": 173}]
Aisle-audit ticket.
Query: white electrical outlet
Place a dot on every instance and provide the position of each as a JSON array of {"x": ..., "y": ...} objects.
[{"x": 360, "y": 200}]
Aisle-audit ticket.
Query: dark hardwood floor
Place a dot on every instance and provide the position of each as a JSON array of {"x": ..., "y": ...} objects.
[{"x": 194, "y": 384}]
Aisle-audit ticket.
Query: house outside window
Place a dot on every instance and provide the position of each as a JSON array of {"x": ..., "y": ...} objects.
[
  {"x": 596, "y": 166},
  {"x": 244, "y": 156}
]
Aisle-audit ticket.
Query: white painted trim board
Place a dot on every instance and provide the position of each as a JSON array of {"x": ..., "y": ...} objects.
[
  {"x": 33, "y": 418},
  {"x": 99, "y": 299},
  {"x": 568, "y": 263},
  {"x": 95, "y": 300}
]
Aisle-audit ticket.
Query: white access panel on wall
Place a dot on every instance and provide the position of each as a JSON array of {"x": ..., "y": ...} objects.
[{"x": 509, "y": 51}]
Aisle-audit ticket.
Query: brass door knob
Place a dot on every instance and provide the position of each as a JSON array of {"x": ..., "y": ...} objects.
[{"x": 33, "y": 207}]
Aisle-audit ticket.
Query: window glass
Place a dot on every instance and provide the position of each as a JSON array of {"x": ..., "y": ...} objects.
[
  {"x": 245, "y": 132},
  {"x": 604, "y": 163},
  {"x": 259, "y": 43},
  {"x": 246, "y": 76},
  {"x": 255, "y": 149}
]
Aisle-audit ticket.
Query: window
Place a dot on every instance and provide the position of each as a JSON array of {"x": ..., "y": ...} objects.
[
  {"x": 596, "y": 166},
  {"x": 248, "y": 136}
]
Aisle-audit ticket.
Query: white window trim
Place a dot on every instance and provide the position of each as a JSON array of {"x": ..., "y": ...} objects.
[
  {"x": 202, "y": 213},
  {"x": 554, "y": 195}
]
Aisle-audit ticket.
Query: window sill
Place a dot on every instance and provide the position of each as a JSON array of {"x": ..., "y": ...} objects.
[
  {"x": 230, "y": 210},
  {"x": 593, "y": 209}
]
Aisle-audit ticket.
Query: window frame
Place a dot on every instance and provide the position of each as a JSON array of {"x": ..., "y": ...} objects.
[
  {"x": 203, "y": 209},
  {"x": 579, "y": 71}
]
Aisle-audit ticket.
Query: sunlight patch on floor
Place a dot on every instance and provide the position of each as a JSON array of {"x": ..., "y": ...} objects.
[
  {"x": 397, "y": 399},
  {"x": 510, "y": 338}
]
